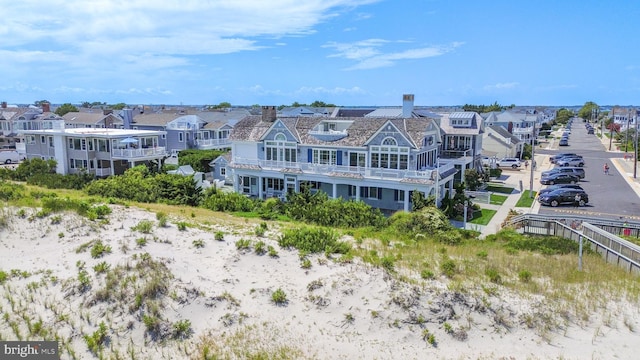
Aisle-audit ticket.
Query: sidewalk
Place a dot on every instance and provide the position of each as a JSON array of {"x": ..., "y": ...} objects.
[
  {"x": 624, "y": 166},
  {"x": 512, "y": 178}
]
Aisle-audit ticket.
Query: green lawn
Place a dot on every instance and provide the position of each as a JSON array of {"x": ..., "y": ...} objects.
[
  {"x": 525, "y": 200},
  {"x": 484, "y": 219},
  {"x": 497, "y": 199},
  {"x": 499, "y": 189}
]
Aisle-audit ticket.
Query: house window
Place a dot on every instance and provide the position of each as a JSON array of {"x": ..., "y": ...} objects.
[
  {"x": 358, "y": 159},
  {"x": 280, "y": 150},
  {"x": 77, "y": 144},
  {"x": 103, "y": 145},
  {"x": 326, "y": 157},
  {"x": 164, "y": 136},
  {"x": 180, "y": 137},
  {"x": 398, "y": 195},
  {"x": 31, "y": 139},
  {"x": 43, "y": 139},
  {"x": 389, "y": 155},
  {"x": 77, "y": 164},
  {"x": 51, "y": 141},
  {"x": 371, "y": 192},
  {"x": 275, "y": 184},
  {"x": 223, "y": 171}
]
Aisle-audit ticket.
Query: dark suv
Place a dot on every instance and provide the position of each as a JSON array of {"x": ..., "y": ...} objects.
[
  {"x": 560, "y": 155},
  {"x": 573, "y": 170},
  {"x": 563, "y": 196},
  {"x": 555, "y": 187}
]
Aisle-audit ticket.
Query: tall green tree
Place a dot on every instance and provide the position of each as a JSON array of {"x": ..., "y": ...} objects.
[
  {"x": 65, "y": 108},
  {"x": 587, "y": 110},
  {"x": 563, "y": 115}
]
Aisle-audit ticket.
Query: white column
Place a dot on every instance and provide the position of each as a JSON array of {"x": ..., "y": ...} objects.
[
  {"x": 335, "y": 190},
  {"x": 357, "y": 192},
  {"x": 260, "y": 187},
  {"x": 406, "y": 200}
]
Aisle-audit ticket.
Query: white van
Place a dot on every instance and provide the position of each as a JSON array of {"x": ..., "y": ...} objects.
[{"x": 9, "y": 157}]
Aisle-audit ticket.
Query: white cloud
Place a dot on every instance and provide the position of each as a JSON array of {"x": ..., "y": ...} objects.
[
  {"x": 501, "y": 86},
  {"x": 331, "y": 91},
  {"x": 369, "y": 53}
]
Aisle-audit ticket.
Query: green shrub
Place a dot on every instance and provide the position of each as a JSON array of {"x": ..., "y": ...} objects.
[
  {"x": 219, "y": 236},
  {"x": 198, "y": 243},
  {"x": 162, "y": 219},
  {"x": 182, "y": 226},
  {"x": 313, "y": 240},
  {"x": 306, "y": 264},
  {"x": 182, "y": 329},
  {"x": 448, "y": 268},
  {"x": 482, "y": 254},
  {"x": 524, "y": 276},
  {"x": 96, "y": 340},
  {"x": 99, "y": 249},
  {"x": 142, "y": 241},
  {"x": 272, "y": 251},
  {"x": 3, "y": 276},
  {"x": 259, "y": 247},
  {"x": 243, "y": 244},
  {"x": 493, "y": 275},
  {"x": 427, "y": 274},
  {"x": 101, "y": 267},
  {"x": 144, "y": 226},
  {"x": 279, "y": 297},
  {"x": 388, "y": 262}
]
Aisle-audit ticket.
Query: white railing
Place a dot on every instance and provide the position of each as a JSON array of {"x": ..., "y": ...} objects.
[
  {"x": 520, "y": 130},
  {"x": 102, "y": 171},
  {"x": 328, "y": 132},
  {"x": 136, "y": 153},
  {"x": 212, "y": 142},
  {"x": 367, "y": 172}
]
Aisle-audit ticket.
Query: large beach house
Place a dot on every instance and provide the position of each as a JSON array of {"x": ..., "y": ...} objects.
[{"x": 378, "y": 160}]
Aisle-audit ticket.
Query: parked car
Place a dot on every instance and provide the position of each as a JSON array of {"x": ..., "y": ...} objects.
[
  {"x": 551, "y": 188},
  {"x": 9, "y": 157},
  {"x": 563, "y": 196},
  {"x": 563, "y": 142},
  {"x": 560, "y": 155},
  {"x": 488, "y": 161},
  {"x": 571, "y": 170},
  {"x": 559, "y": 178},
  {"x": 570, "y": 161},
  {"x": 590, "y": 131},
  {"x": 509, "y": 162}
]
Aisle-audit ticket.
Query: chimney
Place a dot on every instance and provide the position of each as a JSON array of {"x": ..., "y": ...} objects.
[
  {"x": 269, "y": 113},
  {"x": 107, "y": 111},
  {"x": 46, "y": 107},
  {"x": 127, "y": 118},
  {"x": 407, "y": 105},
  {"x": 4, "y": 104}
]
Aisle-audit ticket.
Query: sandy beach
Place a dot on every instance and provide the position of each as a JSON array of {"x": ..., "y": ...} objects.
[{"x": 333, "y": 309}]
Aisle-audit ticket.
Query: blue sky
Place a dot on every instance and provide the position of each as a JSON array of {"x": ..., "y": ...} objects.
[{"x": 346, "y": 52}]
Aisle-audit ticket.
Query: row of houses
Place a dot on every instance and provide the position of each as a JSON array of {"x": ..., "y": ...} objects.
[{"x": 379, "y": 156}]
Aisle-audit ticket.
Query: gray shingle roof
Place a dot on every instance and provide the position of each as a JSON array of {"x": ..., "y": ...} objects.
[
  {"x": 252, "y": 128},
  {"x": 475, "y": 127}
]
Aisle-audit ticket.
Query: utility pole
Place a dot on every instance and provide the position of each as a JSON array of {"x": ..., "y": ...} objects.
[
  {"x": 626, "y": 136},
  {"x": 635, "y": 145},
  {"x": 533, "y": 159},
  {"x": 613, "y": 121}
]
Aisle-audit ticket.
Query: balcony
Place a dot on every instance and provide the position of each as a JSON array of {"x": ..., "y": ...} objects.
[
  {"x": 101, "y": 172},
  {"x": 130, "y": 153},
  {"x": 521, "y": 130},
  {"x": 205, "y": 144},
  {"x": 342, "y": 170}
]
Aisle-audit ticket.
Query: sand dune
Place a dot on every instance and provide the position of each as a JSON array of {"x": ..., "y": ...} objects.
[{"x": 333, "y": 309}]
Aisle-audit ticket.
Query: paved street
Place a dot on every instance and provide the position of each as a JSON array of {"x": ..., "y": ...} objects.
[{"x": 610, "y": 196}]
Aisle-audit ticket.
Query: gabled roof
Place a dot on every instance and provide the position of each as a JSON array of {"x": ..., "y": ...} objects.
[
  {"x": 501, "y": 131},
  {"x": 154, "y": 119},
  {"x": 475, "y": 127},
  {"x": 393, "y": 112},
  {"x": 360, "y": 130},
  {"x": 352, "y": 112},
  {"x": 89, "y": 118},
  {"x": 226, "y": 157}
]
